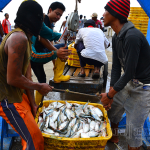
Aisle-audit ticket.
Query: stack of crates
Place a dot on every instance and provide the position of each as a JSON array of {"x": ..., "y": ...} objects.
[
  {"x": 73, "y": 58},
  {"x": 139, "y": 18}
]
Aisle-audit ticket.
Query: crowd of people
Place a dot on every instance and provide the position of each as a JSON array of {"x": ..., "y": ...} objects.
[{"x": 128, "y": 93}]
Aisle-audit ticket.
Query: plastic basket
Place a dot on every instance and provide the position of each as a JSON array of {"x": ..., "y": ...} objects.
[
  {"x": 73, "y": 59},
  {"x": 59, "y": 143}
]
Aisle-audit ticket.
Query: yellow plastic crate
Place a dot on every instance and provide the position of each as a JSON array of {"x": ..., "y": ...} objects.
[
  {"x": 73, "y": 59},
  {"x": 135, "y": 8},
  {"x": 59, "y": 143}
]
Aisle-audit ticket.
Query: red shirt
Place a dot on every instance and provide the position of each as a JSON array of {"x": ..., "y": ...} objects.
[
  {"x": 97, "y": 23},
  {"x": 6, "y": 26}
]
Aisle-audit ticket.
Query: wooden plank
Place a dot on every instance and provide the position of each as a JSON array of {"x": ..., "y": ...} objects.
[
  {"x": 87, "y": 72},
  {"x": 66, "y": 69},
  {"x": 76, "y": 72},
  {"x": 70, "y": 71},
  {"x": 91, "y": 73}
]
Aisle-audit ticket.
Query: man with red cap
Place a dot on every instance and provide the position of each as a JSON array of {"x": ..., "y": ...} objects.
[{"x": 130, "y": 92}]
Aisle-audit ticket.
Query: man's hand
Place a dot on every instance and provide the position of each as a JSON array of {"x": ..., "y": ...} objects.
[
  {"x": 63, "y": 53},
  {"x": 45, "y": 89},
  {"x": 106, "y": 101},
  {"x": 34, "y": 110}
]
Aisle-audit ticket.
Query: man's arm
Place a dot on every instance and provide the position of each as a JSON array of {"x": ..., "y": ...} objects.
[
  {"x": 62, "y": 53},
  {"x": 132, "y": 47},
  {"x": 15, "y": 48},
  {"x": 48, "y": 33},
  {"x": 30, "y": 93}
]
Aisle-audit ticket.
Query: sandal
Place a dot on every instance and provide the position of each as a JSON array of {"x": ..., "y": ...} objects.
[
  {"x": 81, "y": 75},
  {"x": 95, "y": 75}
]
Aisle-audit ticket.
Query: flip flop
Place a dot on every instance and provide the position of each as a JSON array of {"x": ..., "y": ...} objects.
[
  {"x": 81, "y": 75},
  {"x": 95, "y": 75}
]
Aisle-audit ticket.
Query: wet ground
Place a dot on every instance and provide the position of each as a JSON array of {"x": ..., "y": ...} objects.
[{"x": 66, "y": 96}]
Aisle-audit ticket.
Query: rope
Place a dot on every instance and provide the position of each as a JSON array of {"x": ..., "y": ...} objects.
[{"x": 118, "y": 146}]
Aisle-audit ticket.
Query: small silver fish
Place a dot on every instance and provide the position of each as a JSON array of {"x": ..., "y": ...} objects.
[
  {"x": 92, "y": 125},
  {"x": 103, "y": 125},
  {"x": 93, "y": 134},
  {"x": 97, "y": 127},
  {"x": 47, "y": 121},
  {"x": 59, "y": 105},
  {"x": 47, "y": 130},
  {"x": 55, "y": 115},
  {"x": 72, "y": 122},
  {"x": 85, "y": 135},
  {"x": 86, "y": 128},
  {"x": 68, "y": 105},
  {"x": 94, "y": 115},
  {"x": 76, "y": 135},
  {"x": 63, "y": 125},
  {"x": 52, "y": 124},
  {"x": 97, "y": 111},
  {"x": 63, "y": 117}
]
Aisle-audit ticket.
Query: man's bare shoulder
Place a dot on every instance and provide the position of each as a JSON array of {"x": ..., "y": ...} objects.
[
  {"x": 17, "y": 37},
  {"x": 17, "y": 40}
]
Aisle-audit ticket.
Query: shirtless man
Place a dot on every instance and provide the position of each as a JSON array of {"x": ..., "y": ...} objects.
[{"x": 16, "y": 107}]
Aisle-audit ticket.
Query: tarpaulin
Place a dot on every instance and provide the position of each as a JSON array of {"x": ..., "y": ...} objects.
[{"x": 3, "y": 4}]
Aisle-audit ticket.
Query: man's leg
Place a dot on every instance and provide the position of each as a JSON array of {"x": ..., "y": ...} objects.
[
  {"x": 137, "y": 109},
  {"x": 19, "y": 116},
  {"x": 82, "y": 64},
  {"x": 38, "y": 69},
  {"x": 97, "y": 66},
  {"x": 116, "y": 112}
]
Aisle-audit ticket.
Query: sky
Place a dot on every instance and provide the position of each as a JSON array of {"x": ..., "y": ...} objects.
[{"x": 86, "y": 8}]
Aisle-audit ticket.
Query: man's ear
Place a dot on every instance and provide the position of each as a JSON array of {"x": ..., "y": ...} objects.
[{"x": 50, "y": 10}]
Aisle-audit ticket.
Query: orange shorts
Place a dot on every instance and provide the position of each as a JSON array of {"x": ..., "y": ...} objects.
[{"x": 20, "y": 117}]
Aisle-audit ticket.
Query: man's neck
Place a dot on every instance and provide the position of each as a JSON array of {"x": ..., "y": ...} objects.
[
  {"x": 117, "y": 26},
  {"x": 49, "y": 18}
]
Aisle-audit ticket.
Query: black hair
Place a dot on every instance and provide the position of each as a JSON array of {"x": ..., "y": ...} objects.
[
  {"x": 6, "y": 14},
  {"x": 81, "y": 16},
  {"x": 122, "y": 21},
  {"x": 66, "y": 17},
  {"x": 89, "y": 23},
  {"x": 84, "y": 16},
  {"x": 56, "y": 5}
]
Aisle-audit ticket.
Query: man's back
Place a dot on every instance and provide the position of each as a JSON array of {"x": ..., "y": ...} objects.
[
  {"x": 92, "y": 37},
  {"x": 93, "y": 40}
]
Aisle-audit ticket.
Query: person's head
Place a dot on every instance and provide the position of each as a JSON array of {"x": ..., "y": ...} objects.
[
  {"x": 90, "y": 23},
  {"x": 94, "y": 16},
  {"x": 116, "y": 9},
  {"x": 81, "y": 16},
  {"x": 29, "y": 17},
  {"x": 84, "y": 17},
  {"x": 55, "y": 11},
  {"x": 6, "y": 15},
  {"x": 66, "y": 17}
]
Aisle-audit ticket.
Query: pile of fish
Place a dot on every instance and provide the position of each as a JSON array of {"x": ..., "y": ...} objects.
[{"x": 72, "y": 120}]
